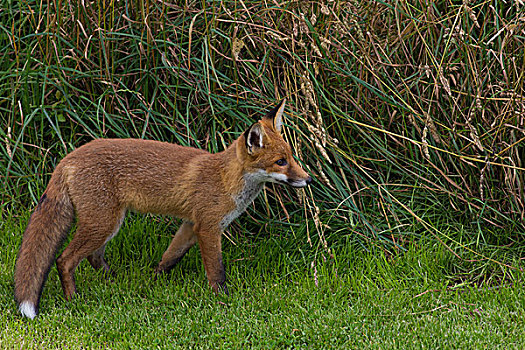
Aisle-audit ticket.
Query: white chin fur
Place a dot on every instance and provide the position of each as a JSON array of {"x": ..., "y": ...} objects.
[
  {"x": 298, "y": 184},
  {"x": 283, "y": 179},
  {"x": 278, "y": 178},
  {"x": 28, "y": 309}
]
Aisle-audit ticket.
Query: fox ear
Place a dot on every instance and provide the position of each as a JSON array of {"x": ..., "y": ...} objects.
[
  {"x": 253, "y": 137},
  {"x": 275, "y": 116}
]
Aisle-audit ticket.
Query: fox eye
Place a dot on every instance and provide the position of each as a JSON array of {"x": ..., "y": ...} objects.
[{"x": 281, "y": 162}]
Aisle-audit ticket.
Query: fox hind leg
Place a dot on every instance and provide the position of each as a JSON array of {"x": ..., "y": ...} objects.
[
  {"x": 97, "y": 261},
  {"x": 89, "y": 241}
]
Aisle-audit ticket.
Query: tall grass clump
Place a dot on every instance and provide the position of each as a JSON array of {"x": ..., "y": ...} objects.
[{"x": 410, "y": 115}]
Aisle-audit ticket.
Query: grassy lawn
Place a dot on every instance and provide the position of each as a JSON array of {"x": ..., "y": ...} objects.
[{"x": 278, "y": 299}]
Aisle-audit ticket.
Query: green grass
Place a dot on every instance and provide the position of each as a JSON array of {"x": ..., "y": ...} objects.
[{"x": 282, "y": 296}]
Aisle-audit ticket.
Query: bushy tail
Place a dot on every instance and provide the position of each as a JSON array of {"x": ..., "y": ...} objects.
[{"x": 48, "y": 227}]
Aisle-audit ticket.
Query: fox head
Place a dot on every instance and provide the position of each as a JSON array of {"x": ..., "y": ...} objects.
[{"x": 267, "y": 157}]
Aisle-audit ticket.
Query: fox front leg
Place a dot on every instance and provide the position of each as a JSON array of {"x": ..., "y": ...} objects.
[
  {"x": 183, "y": 240},
  {"x": 210, "y": 246}
]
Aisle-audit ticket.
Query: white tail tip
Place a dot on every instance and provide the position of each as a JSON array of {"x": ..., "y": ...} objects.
[{"x": 28, "y": 309}]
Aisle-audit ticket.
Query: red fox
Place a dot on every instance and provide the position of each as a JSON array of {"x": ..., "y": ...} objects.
[{"x": 102, "y": 180}]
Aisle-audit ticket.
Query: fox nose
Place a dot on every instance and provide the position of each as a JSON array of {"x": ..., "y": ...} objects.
[{"x": 309, "y": 180}]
